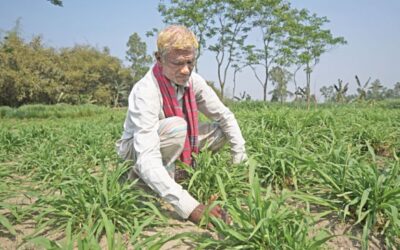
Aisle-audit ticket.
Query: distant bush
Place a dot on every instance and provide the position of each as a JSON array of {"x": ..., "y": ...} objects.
[{"x": 31, "y": 72}]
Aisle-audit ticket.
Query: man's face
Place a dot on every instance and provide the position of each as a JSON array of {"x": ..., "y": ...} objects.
[{"x": 178, "y": 64}]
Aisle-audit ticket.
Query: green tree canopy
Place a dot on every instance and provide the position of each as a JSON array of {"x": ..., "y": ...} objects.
[
  {"x": 328, "y": 93},
  {"x": 56, "y": 2},
  {"x": 280, "y": 77},
  {"x": 272, "y": 18},
  {"x": 309, "y": 41},
  {"x": 375, "y": 90},
  {"x": 196, "y": 15},
  {"x": 30, "y": 72},
  {"x": 137, "y": 55}
]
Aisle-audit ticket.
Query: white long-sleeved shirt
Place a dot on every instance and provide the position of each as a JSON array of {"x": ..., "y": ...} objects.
[{"x": 142, "y": 122}]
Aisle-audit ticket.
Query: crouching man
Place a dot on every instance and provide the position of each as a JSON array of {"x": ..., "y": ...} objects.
[{"x": 162, "y": 124}]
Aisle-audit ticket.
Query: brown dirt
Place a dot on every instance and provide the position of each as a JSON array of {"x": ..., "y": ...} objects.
[
  {"x": 342, "y": 231},
  {"x": 384, "y": 150}
]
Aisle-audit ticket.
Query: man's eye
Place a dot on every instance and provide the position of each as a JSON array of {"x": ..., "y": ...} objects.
[
  {"x": 178, "y": 63},
  {"x": 190, "y": 63}
]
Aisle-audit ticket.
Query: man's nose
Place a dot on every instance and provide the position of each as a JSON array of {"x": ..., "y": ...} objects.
[{"x": 185, "y": 69}]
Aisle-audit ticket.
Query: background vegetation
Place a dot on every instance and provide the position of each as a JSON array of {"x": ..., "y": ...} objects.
[
  {"x": 31, "y": 72},
  {"x": 293, "y": 40}
]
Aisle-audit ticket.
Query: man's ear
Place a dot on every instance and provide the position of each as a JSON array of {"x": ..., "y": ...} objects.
[{"x": 158, "y": 56}]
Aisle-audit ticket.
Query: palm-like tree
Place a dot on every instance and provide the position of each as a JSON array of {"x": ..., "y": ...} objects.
[
  {"x": 362, "y": 89},
  {"x": 121, "y": 92},
  {"x": 300, "y": 94},
  {"x": 243, "y": 96},
  {"x": 341, "y": 91}
]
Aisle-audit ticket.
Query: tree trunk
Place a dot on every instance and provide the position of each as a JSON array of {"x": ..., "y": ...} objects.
[
  {"x": 266, "y": 83},
  {"x": 308, "y": 93},
  {"x": 116, "y": 100},
  {"x": 265, "y": 93},
  {"x": 222, "y": 91},
  {"x": 234, "y": 84}
]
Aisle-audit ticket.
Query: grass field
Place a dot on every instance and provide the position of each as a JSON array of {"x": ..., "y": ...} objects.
[{"x": 323, "y": 178}]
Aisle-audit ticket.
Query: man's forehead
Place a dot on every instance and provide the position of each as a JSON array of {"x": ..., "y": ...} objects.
[{"x": 181, "y": 53}]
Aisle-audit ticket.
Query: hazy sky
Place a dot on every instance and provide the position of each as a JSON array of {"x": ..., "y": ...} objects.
[{"x": 371, "y": 28}]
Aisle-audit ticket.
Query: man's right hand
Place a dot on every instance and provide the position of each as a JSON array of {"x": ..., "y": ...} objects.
[{"x": 216, "y": 211}]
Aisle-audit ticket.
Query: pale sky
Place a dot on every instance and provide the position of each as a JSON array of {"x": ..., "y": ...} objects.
[{"x": 371, "y": 28}]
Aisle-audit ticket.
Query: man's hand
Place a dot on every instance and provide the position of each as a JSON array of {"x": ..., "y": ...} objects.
[{"x": 216, "y": 211}]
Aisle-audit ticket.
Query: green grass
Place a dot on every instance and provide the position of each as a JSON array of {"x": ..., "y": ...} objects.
[
  {"x": 51, "y": 111},
  {"x": 341, "y": 159}
]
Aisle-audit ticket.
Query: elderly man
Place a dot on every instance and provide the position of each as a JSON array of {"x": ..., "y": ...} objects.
[{"x": 162, "y": 125}]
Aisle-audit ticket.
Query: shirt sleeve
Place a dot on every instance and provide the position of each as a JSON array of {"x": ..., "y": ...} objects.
[
  {"x": 144, "y": 107},
  {"x": 211, "y": 106}
]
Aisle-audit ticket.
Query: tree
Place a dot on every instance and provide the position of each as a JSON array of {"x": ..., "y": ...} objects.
[
  {"x": 396, "y": 90},
  {"x": 328, "y": 93},
  {"x": 280, "y": 77},
  {"x": 239, "y": 63},
  {"x": 230, "y": 31},
  {"x": 271, "y": 18},
  {"x": 56, "y": 2},
  {"x": 243, "y": 96},
  {"x": 341, "y": 91},
  {"x": 310, "y": 41},
  {"x": 29, "y": 72},
  {"x": 387, "y": 93},
  {"x": 236, "y": 69},
  {"x": 221, "y": 21},
  {"x": 121, "y": 87},
  {"x": 300, "y": 94},
  {"x": 90, "y": 75},
  {"x": 375, "y": 91},
  {"x": 362, "y": 89},
  {"x": 196, "y": 15},
  {"x": 137, "y": 55}
]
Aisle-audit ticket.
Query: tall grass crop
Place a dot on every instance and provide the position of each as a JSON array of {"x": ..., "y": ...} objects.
[
  {"x": 262, "y": 220},
  {"x": 214, "y": 176},
  {"x": 338, "y": 159}
]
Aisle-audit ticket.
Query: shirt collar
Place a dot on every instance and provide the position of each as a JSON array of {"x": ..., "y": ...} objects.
[{"x": 185, "y": 85}]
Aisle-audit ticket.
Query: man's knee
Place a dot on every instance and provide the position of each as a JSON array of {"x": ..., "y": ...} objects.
[
  {"x": 172, "y": 133},
  {"x": 211, "y": 137},
  {"x": 220, "y": 140},
  {"x": 173, "y": 127}
]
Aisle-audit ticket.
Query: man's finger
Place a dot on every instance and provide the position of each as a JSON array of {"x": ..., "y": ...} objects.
[
  {"x": 212, "y": 198},
  {"x": 215, "y": 214},
  {"x": 226, "y": 217}
]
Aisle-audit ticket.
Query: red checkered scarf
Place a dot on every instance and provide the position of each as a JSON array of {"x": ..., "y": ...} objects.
[{"x": 171, "y": 107}]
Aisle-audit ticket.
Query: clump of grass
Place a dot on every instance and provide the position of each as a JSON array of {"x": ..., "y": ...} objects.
[
  {"x": 362, "y": 192},
  {"x": 91, "y": 203},
  {"x": 214, "y": 175},
  {"x": 262, "y": 220}
]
